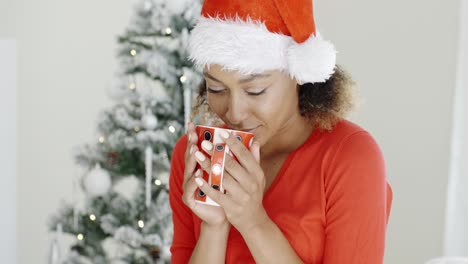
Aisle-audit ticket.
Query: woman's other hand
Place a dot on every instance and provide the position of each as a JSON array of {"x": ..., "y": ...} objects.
[
  {"x": 244, "y": 182},
  {"x": 211, "y": 215}
]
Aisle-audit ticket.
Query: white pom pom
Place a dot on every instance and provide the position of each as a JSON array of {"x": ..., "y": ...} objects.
[
  {"x": 97, "y": 182},
  {"x": 312, "y": 61}
]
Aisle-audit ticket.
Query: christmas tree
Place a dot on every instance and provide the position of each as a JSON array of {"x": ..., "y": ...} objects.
[{"x": 153, "y": 92}]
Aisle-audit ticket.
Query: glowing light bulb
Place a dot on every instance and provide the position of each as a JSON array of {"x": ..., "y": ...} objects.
[{"x": 141, "y": 224}]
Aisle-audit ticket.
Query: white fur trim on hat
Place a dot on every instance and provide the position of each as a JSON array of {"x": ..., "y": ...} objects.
[{"x": 248, "y": 47}]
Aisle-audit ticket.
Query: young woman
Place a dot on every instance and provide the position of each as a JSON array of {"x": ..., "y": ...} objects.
[{"x": 312, "y": 188}]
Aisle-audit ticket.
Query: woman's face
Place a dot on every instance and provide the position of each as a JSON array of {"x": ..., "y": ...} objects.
[{"x": 265, "y": 104}]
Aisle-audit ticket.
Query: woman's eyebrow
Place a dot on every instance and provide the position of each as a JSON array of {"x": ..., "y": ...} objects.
[
  {"x": 207, "y": 75},
  {"x": 249, "y": 78},
  {"x": 252, "y": 77}
]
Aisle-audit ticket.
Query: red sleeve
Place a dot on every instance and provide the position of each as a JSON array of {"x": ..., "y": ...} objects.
[
  {"x": 358, "y": 200},
  {"x": 184, "y": 238}
]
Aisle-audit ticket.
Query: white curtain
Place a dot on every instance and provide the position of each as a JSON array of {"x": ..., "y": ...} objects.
[{"x": 456, "y": 236}]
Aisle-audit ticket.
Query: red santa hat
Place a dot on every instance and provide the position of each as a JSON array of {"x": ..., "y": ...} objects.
[{"x": 256, "y": 36}]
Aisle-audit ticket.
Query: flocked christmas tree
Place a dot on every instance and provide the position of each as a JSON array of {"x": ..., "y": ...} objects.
[{"x": 153, "y": 92}]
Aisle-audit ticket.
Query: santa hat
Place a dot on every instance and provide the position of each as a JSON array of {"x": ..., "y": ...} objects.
[{"x": 256, "y": 36}]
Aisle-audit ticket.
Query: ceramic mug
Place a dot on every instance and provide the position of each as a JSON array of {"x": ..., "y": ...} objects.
[{"x": 220, "y": 150}]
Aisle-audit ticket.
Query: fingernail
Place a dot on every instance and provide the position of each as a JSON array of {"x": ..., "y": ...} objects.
[
  {"x": 200, "y": 156},
  {"x": 197, "y": 173},
  {"x": 198, "y": 181},
  {"x": 206, "y": 145},
  {"x": 224, "y": 134}
]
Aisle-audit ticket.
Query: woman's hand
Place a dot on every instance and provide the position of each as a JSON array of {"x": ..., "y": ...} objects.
[
  {"x": 244, "y": 182},
  {"x": 211, "y": 215}
]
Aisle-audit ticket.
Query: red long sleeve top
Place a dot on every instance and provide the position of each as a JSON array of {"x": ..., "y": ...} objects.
[{"x": 330, "y": 199}]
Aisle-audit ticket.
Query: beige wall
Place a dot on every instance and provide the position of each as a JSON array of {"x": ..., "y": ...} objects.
[{"x": 403, "y": 54}]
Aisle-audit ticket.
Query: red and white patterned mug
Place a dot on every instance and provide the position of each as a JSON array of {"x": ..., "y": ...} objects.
[{"x": 215, "y": 177}]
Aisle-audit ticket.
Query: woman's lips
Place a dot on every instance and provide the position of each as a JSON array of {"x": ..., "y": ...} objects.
[{"x": 252, "y": 130}]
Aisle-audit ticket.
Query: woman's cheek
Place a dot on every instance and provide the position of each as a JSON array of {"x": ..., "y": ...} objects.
[{"x": 217, "y": 104}]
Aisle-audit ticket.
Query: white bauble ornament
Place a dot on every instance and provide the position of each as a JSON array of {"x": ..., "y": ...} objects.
[
  {"x": 149, "y": 121},
  {"x": 147, "y": 5},
  {"x": 97, "y": 182}
]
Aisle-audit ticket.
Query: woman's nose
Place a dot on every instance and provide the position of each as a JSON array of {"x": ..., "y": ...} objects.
[{"x": 237, "y": 110}]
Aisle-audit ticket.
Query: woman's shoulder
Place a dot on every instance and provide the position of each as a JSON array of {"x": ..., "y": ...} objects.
[
  {"x": 350, "y": 141},
  {"x": 344, "y": 130},
  {"x": 345, "y": 135}
]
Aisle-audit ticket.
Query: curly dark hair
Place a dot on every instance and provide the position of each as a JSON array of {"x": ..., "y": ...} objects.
[{"x": 323, "y": 103}]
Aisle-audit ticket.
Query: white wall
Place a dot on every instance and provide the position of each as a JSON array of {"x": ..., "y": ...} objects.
[
  {"x": 403, "y": 54},
  {"x": 66, "y": 59},
  {"x": 8, "y": 150}
]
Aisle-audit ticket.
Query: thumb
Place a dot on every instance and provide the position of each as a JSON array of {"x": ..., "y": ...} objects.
[{"x": 255, "y": 150}]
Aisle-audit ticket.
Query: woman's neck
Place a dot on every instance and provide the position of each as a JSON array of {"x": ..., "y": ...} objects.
[{"x": 292, "y": 135}]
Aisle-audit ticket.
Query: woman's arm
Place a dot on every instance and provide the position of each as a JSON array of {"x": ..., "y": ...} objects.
[
  {"x": 211, "y": 246},
  {"x": 267, "y": 244},
  {"x": 358, "y": 203}
]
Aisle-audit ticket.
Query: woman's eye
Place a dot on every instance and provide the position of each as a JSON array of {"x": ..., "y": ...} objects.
[
  {"x": 256, "y": 93},
  {"x": 215, "y": 91}
]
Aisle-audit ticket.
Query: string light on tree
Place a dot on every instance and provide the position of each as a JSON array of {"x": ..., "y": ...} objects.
[
  {"x": 168, "y": 31},
  {"x": 157, "y": 182},
  {"x": 133, "y": 52},
  {"x": 101, "y": 139},
  {"x": 80, "y": 237},
  {"x": 136, "y": 129},
  {"x": 172, "y": 129},
  {"x": 132, "y": 86},
  {"x": 183, "y": 79},
  {"x": 92, "y": 217},
  {"x": 141, "y": 224}
]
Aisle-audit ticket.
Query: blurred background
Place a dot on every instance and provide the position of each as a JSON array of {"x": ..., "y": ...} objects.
[{"x": 59, "y": 62}]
